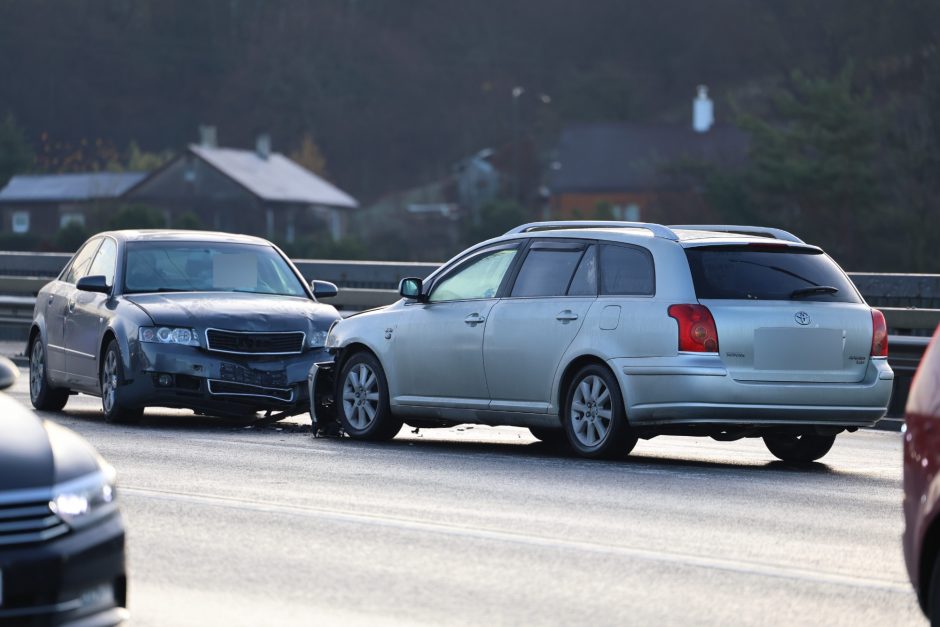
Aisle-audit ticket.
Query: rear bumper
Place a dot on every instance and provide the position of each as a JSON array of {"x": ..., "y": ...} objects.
[
  {"x": 76, "y": 580},
  {"x": 697, "y": 389}
]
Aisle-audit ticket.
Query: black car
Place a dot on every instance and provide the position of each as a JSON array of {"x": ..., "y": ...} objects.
[
  {"x": 61, "y": 535},
  {"x": 218, "y": 323}
]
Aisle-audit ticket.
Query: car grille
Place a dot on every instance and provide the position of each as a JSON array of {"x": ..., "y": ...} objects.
[
  {"x": 228, "y": 388},
  {"x": 28, "y": 522},
  {"x": 250, "y": 343}
]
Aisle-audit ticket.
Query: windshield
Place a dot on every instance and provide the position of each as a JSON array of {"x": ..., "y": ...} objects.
[
  {"x": 208, "y": 267},
  {"x": 755, "y": 273}
]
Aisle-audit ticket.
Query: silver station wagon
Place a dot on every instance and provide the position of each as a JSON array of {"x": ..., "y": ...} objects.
[{"x": 600, "y": 333}]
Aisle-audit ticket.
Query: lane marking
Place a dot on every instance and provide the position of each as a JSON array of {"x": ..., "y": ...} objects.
[{"x": 744, "y": 567}]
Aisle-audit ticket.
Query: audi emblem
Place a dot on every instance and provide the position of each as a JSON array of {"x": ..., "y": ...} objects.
[{"x": 802, "y": 318}]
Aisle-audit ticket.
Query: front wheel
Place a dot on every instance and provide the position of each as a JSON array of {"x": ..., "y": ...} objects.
[
  {"x": 799, "y": 448},
  {"x": 42, "y": 395},
  {"x": 115, "y": 407},
  {"x": 363, "y": 400},
  {"x": 594, "y": 416}
]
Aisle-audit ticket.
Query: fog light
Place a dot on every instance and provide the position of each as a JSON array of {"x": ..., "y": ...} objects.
[{"x": 165, "y": 380}]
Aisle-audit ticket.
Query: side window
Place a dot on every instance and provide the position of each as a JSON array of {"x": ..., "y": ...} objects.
[
  {"x": 480, "y": 278},
  {"x": 584, "y": 282},
  {"x": 626, "y": 271},
  {"x": 81, "y": 261},
  {"x": 547, "y": 270},
  {"x": 105, "y": 261}
]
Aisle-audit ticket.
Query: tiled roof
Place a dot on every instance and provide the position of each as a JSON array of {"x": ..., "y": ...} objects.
[
  {"x": 68, "y": 187},
  {"x": 276, "y": 178},
  {"x": 634, "y": 157}
]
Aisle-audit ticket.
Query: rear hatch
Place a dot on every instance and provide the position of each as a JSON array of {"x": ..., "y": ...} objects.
[{"x": 784, "y": 312}]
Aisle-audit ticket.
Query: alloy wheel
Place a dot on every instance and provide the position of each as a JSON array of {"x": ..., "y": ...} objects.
[
  {"x": 591, "y": 411},
  {"x": 37, "y": 370},
  {"x": 109, "y": 381},
  {"x": 360, "y": 396}
]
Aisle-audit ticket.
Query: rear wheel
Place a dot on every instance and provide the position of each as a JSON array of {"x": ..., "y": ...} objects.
[
  {"x": 362, "y": 396},
  {"x": 594, "y": 417},
  {"x": 799, "y": 448},
  {"x": 43, "y": 396},
  {"x": 115, "y": 407}
]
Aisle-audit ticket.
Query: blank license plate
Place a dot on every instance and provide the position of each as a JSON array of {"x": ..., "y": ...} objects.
[{"x": 798, "y": 349}]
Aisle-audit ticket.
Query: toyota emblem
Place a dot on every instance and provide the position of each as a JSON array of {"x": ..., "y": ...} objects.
[{"x": 802, "y": 318}]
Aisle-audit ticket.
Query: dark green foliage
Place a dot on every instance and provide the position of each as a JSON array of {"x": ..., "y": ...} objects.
[
  {"x": 187, "y": 220},
  {"x": 70, "y": 237},
  {"x": 324, "y": 248},
  {"x": 813, "y": 164},
  {"x": 16, "y": 156},
  {"x": 137, "y": 217},
  {"x": 494, "y": 219}
]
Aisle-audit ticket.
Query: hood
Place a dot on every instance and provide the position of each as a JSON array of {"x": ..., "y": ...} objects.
[
  {"x": 234, "y": 311},
  {"x": 38, "y": 454},
  {"x": 26, "y": 458}
]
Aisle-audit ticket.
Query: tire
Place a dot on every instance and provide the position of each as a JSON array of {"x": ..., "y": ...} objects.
[
  {"x": 43, "y": 396},
  {"x": 799, "y": 448},
  {"x": 932, "y": 607},
  {"x": 362, "y": 400},
  {"x": 593, "y": 415},
  {"x": 549, "y": 436},
  {"x": 115, "y": 408}
]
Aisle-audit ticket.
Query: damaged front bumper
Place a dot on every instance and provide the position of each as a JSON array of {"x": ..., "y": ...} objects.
[
  {"x": 321, "y": 390},
  {"x": 192, "y": 378}
]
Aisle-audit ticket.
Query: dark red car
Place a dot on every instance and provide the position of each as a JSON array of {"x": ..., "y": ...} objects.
[{"x": 922, "y": 482}]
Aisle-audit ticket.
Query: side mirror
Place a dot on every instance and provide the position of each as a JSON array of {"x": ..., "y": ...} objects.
[
  {"x": 411, "y": 288},
  {"x": 96, "y": 283},
  {"x": 323, "y": 289}
]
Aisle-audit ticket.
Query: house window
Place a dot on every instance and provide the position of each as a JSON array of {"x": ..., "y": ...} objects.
[
  {"x": 72, "y": 217},
  {"x": 21, "y": 222}
]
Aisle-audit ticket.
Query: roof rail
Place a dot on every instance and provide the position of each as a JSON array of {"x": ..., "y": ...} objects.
[
  {"x": 657, "y": 230},
  {"x": 765, "y": 231}
]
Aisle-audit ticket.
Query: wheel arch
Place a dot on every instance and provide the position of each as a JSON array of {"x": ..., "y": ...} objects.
[{"x": 571, "y": 369}]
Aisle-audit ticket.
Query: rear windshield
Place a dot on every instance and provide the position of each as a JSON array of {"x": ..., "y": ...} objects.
[{"x": 756, "y": 273}]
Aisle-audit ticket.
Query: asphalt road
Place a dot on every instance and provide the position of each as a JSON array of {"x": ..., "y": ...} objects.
[{"x": 230, "y": 525}]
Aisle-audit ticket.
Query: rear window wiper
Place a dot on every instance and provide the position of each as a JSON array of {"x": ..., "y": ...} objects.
[{"x": 817, "y": 289}]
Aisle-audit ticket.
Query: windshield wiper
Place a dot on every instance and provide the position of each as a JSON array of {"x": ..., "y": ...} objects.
[
  {"x": 159, "y": 289},
  {"x": 817, "y": 289}
]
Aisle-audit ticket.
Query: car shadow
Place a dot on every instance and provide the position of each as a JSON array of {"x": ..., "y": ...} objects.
[{"x": 542, "y": 450}]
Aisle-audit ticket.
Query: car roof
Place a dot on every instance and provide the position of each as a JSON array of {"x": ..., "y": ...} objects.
[
  {"x": 174, "y": 235},
  {"x": 685, "y": 237}
]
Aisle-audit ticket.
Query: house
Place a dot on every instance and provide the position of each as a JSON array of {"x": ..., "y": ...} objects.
[
  {"x": 255, "y": 192},
  {"x": 40, "y": 205},
  {"x": 635, "y": 171}
]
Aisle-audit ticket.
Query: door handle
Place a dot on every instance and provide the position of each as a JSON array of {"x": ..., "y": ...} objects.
[
  {"x": 474, "y": 319},
  {"x": 566, "y": 316},
  {"x": 51, "y": 298},
  {"x": 71, "y": 304}
]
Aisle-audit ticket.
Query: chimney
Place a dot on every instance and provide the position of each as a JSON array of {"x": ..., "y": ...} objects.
[
  {"x": 703, "y": 111},
  {"x": 207, "y": 137},
  {"x": 263, "y": 146}
]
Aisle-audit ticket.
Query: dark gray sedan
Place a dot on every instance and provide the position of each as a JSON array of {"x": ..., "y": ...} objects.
[{"x": 218, "y": 323}]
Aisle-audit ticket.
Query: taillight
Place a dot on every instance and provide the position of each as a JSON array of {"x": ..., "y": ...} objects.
[
  {"x": 879, "y": 334},
  {"x": 697, "y": 331}
]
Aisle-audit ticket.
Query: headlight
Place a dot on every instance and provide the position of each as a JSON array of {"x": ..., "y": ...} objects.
[
  {"x": 318, "y": 339},
  {"x": 169, "y": 335},
  {"x": 85, "y": 500}
]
